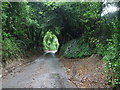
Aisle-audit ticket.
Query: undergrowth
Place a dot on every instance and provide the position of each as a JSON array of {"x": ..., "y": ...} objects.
[
  {"x": 76, "y": 49},
  {"x": 109, "y": 51},
  {"x": 10, "y": 49},
  {"x": 111, "y": 57}
]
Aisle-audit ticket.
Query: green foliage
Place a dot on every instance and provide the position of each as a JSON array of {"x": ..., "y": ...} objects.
[
  {"x": 101, "y": 48},
  {"x": 10, "y": 48},
  {"x": 76, "y": 49},
  {"x": 25, "y": 25},
  {"x": 19, "y": 30},
  {"x": 109, "y": 49},
  {"x": 50, "y": 41},
  {"x": 112, "y": 60},
  {"x": 111, "y": 56},
  {"x": 20, "y": 23}
]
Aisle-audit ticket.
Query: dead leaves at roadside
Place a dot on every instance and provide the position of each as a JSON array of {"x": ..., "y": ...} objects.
[{"x": 85, "y": 73}]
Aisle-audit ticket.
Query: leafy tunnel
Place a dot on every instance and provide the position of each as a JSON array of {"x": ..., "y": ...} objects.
[{"x": 75, "y": 29}]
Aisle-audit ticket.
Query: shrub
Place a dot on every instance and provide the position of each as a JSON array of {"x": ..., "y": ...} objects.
[
  {"x": 10, "y": 48},
  {"x": 76, "y": 49},
  {"x": 111, "y": 57},
  {"x": 112, "y": 60}
]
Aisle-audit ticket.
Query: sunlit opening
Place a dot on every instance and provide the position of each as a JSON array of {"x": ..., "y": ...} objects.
[
  {"x": 50, "y": 42},
  {"x": 109, "y": 9}
]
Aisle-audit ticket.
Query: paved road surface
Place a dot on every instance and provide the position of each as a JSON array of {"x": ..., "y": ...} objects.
[{"x": 44, "y": 72}]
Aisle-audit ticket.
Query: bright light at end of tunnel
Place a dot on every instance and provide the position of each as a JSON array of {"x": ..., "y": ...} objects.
[
  {"x": 50, "y": 51},
  {"x": 109, "y": 9}
]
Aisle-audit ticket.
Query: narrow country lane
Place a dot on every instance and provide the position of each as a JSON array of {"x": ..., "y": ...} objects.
[{"x": 44, "y": 72}]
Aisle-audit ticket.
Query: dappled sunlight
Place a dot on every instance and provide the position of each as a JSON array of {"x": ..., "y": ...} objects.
[{"x": 109, "y": 9}]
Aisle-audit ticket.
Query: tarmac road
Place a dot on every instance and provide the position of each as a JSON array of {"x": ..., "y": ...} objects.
[{"x": 44, "y": 72}]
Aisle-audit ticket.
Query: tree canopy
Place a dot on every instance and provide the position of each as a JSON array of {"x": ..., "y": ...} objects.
[{"x": 79, "y": 27}]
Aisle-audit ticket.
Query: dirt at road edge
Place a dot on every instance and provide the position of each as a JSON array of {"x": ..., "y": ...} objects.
[{"x": 86, "y": 73}]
